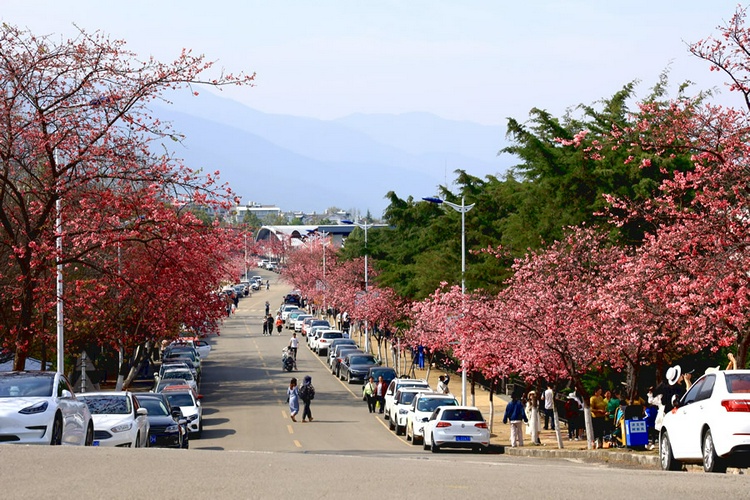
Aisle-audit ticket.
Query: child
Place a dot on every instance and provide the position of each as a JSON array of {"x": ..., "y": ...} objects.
[{"x": 517, "y": 415}]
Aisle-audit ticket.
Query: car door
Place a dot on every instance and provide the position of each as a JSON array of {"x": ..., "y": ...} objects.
[
  {"x": 141, "y": 421},
  {"x": 688, "y": 419},
  {"x": 73, "y": 415}
]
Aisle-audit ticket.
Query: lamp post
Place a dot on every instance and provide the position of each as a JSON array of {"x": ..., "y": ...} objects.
[
  {"x": 463, "y": 209},
  {"x": 60, "y": 314},
  {"x": 365, "y": 226}
]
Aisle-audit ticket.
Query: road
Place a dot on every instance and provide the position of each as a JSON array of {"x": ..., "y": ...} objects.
[{"x": 251, "y": 449}]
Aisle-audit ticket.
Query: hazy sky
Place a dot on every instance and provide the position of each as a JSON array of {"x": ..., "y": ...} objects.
[{"x": 476, "y": 60}]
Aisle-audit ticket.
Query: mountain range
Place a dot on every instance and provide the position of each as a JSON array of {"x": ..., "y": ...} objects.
[{"x": 307, "y": 164}]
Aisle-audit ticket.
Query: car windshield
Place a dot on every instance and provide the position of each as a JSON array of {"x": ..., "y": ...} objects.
[
  {"x": 407, "y": 397},
  {"x": 177, "y": 374},
  {"x": 25, "y": 384},
  {"x": 107, "y": 405},
  {"x": 332, "y": 335},
  {"x": 738, "y": 383},
  {"x": 320, "y": 322},
  {"x": 429, "y": 404},
  {"x": 386, "y": 373},
  {"x": 154, "y": 406},
  {"x": 180, "y": 399},
  {"x": 462, "y": 416},
  {"x": 167, "y": 383},
  {"x": 362, "y": 360}
]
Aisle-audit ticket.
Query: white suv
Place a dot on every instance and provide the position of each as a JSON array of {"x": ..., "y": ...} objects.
[
  {"x": 400, "y": 408},
  {"x": 419, "y": 413},
  {"x": 324, "y": 339},
  {"x": 395, "y": 385}
]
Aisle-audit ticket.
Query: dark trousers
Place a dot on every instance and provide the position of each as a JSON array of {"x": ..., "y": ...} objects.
[
  {"x": 371, "y": 402},
  {"x": 381, "y": 401},
  {"x": 549, "y": 415},
  {"x": 306, "y": 413}
]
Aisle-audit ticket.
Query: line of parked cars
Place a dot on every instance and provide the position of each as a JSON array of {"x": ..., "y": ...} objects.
[{"x": 411, "y": 407}]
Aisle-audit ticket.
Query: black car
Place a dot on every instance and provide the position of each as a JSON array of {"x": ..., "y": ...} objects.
[
  {"x": 339, "y": 353},
  {"x": 387, "y": 373},
  {"x": 355, "y": 366},
  {"x": 167, "y": 427}
]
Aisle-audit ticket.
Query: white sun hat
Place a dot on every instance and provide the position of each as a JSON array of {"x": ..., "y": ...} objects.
[{"x": 673, "y": 374}]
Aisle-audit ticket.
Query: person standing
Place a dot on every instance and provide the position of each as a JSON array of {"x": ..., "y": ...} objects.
[
  {"x": 380, "y": 389},
  {"x": 268, "y": 308},
  {"x": 368, "y": 394},
  {"x": 598, "y": 414},
  {"x": 265, "y": 327},
  {"x": 442, "y": 386},
  {"x": 533, "y": 424},
  {"x": 292, "y": 397},
  {"x": 293, "y": 345},
  {"x": 307, "y": 394},
  {"x": 269, "y": 324},
  {"x": 549, "y": 401},
  {"x": 515, "y": 413}
]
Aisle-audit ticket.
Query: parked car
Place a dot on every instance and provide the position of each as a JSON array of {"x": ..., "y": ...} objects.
[
  {"x": 354, "y": 366},
  {"x": 317, "y": 322},
  {"x": 299, "y": 320},
  {"x": 182, "y": 374},
  {"x": 395, "y": 385},
  {"x": 386, "y": 372},
  {"x": 188, "y": 401},
  {"x": 167, "y": 427},
  {"x": 201, "y": 346},
  {"x": 341, "y": 352},
  {"x": 292, "y": 317},
  {"x": 190, "y": 355},
  {"x": 287, "y": 309},
  {"x": 118, "y": 419},
  {"x": 710, "y": 425},
  {"x": 40, "y": 408},
  {"x": 177, "y": 362},
  {"x": 325, "y": 338},
  {"x": 400, "y": 408},
  {"x": 456, "y": 427},
  {"x": 420, "y": 410},
  {"x": 332, "y": 348}
]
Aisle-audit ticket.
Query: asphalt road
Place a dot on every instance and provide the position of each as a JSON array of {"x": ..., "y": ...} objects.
[{"x": 251, "y": 449}]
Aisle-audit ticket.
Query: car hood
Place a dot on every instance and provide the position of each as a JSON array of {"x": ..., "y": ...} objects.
[
  {"x": 10, "y": 405},
  {"x": 107, "y": 421},
  {"x": 360, "y": 367},
  {"x": 158, "y": 420}
]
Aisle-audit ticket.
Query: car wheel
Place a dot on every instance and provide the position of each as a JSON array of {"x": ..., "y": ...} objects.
[
  {"x": 399, "y": 429},
  {"x": 57, "y": 431},
  {"x": 711, "y": 461},
  {"x": 408, "y": 437},
  {"x": 349, "y": 378},
  {"x": 89, "y": 441},
  {"x": 138, "y": 440},
  {"x": 433, "y": 447},
  {"x": 200, "y": 429},
  {"x": 390, "y": 424},
  {"x": 666, "y": 458},
  {"x": 425, "y": 446}
]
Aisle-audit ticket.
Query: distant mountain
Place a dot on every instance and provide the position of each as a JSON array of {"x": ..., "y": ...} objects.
[{"x": 306, "y": 164}]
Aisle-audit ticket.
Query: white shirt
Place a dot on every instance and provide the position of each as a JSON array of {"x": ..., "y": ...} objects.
[
  {"x": 549, "y": 399},
  {"x": 294, "y": 343}
]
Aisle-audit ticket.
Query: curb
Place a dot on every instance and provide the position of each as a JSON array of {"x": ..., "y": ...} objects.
[{"x": 651, "y": 461}]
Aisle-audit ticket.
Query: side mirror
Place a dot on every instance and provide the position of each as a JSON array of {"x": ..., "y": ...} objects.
[
  {"x": 66, "y": 394},
  {"x": 141, "y": 411},
  {"x": 176, "y": 412}
]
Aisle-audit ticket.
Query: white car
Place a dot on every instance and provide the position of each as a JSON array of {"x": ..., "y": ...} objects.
[
  {"x": 286, "y": 309},
  {"x": 419, "y": 413},
  {"x": 324, "y": 339},
  {"x": 710, "y": 424},
  {"x": 456, "y": 427},
  {"x": 202, "y": 347},
  {"x": 183, "y": 374},
  {"x": 184, "y": 398},
  {"x": 395, "y": 385},
  {"x": 400, "y": 407},
  {"x": 40, "y": 408},
  {"x": 118, "y": 419},
  {"x": 299, "y": 320},
  {"x": 312, "y": 337}
]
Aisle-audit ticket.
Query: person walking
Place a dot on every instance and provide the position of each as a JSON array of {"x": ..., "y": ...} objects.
[
  {"x": 549, "y": 401},
  {"x": 265, "y": 327},
  {"x": 293, "y": 345},
  {"x": 292, "y": 397},
  {"x": 269, "y": 324},
  {"x": 368, "y": 394},
  {"x": 307, "y": 394},
  {"x": 515, "y": 413},
  {"x": 279, "y": 323},
  {"x": 268, "y": 308},
  {"x": 380, "y": 389}
]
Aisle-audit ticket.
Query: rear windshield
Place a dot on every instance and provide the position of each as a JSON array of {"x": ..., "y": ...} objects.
[
  {"x": 406, "y": 397},
  {"x": 462, "y": 415},
  {"x": 362, "y": 360},
  {"x": 332, "y": 335},
  {"x": 180, "y": 399},
  {"x": 738, "y": 383}
]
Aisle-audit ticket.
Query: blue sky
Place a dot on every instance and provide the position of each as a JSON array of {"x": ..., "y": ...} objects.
[{"x": 475, "y": 60}]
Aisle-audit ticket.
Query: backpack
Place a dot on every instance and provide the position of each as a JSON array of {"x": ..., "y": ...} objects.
[{"x": 307, "y": 392}]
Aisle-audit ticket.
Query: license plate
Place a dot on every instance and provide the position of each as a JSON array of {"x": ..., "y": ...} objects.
[
  {"x": 95, "y": 443},
  {"x": 463, "y": 438},
  {"x": 152, "y": 439}
]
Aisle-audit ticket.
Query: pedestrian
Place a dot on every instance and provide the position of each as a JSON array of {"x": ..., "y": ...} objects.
[
  {"x": 598, "y": 414},
  {"x": 265, "y": 327},
  {"x": 515, "y": 413},
  {"x": 380, "y": 389},
  {"x": 534, "y": 425},
  {"x": 442, "y": 386},
  {"x": 269, "y": 324},
  {"x": 307, "y": 394},
  {"x": 268, "y": 308},
  {"x": 279, "y": 323},
  {"x": 293, "y": 345},
  {"x": 666, "y": 394},
  {"x": 268, "y": 287},
  {"x": 549, "y": 402},
  {"x": 572, "y": 410},
  {"x": 368, "y": 394},
  {"x": 292, "y": 397}
]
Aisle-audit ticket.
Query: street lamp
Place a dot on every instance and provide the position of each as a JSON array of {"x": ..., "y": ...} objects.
[
  {"x": 365, "y": 226},
  {"x": 463, "y": 209}
]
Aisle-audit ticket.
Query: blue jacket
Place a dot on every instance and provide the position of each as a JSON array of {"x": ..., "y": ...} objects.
[{"x": 515, "y": 411}]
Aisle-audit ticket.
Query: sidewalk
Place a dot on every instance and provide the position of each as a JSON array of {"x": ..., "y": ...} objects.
[{"x": 500, "y": 433}]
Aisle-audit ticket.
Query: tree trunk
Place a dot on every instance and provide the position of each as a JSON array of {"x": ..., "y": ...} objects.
[
  {"x": 473, "y": 395},
  {"x": 492, "y": 404},
  {"x": 141, "y": 356},
  {"x": 556, "y": 420},
  {"x": 589, "y": 425}
]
